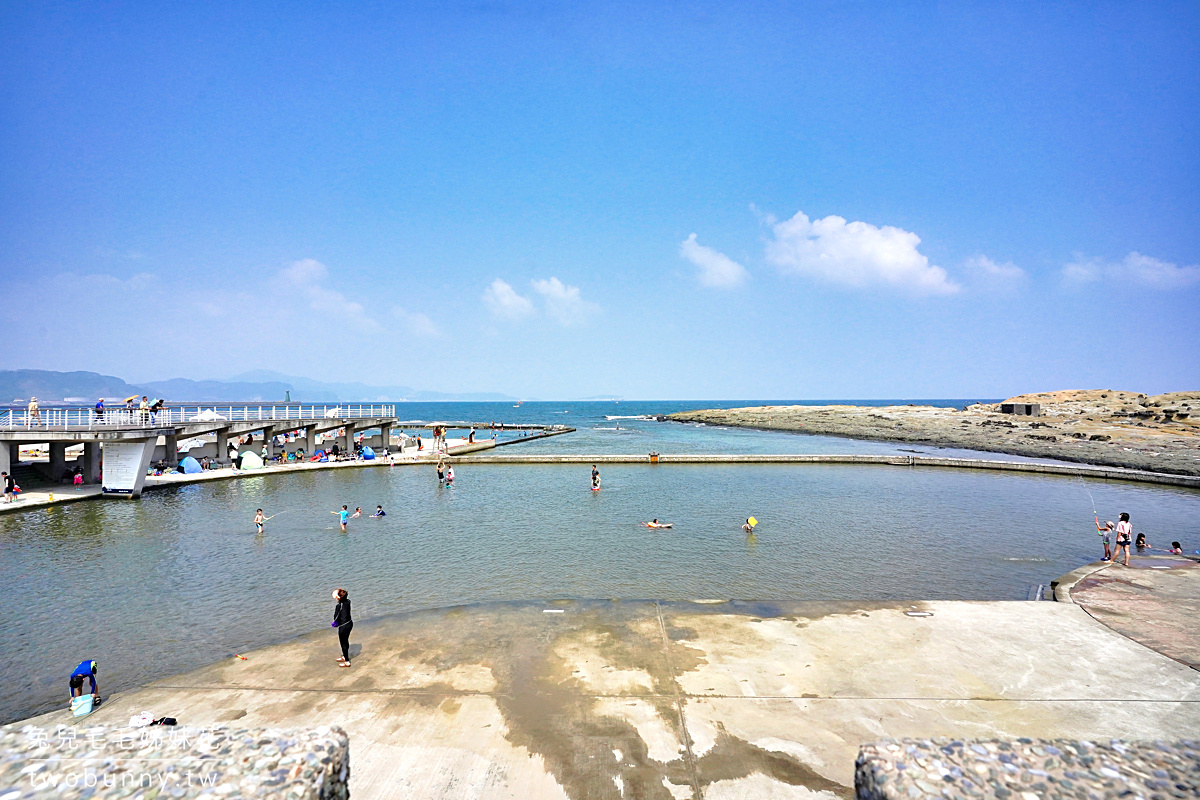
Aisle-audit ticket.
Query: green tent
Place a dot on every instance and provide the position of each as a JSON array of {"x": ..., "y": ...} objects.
[{"x": 251, "y": 460}]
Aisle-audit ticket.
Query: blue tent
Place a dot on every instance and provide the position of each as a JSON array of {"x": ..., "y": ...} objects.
[
  {"x": 190, "y": 466},
  {"x": 367, "y": 453}
]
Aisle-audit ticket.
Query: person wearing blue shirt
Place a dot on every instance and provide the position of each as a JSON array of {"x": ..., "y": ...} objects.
[
  {"x": 86, "y": 669},
  {"x": 343, "y": 515},
  {"x": 379, "y": 512}
]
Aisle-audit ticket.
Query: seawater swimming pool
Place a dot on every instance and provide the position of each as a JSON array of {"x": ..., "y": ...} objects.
[{"x": 178, "y": 579}]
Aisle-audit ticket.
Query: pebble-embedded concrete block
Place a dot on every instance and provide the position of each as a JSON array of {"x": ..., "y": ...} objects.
[
  {"x": 83, "y": 761},
  {"x": 1026, "y": 769}
]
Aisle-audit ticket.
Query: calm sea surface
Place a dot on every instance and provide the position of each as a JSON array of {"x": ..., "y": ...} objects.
[{"x": 179, "y": 578}]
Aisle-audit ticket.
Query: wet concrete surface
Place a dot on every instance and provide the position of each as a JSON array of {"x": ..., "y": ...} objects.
[
  {"x": 1155, "y": 601},
  {"x": 722, "y": 700}
]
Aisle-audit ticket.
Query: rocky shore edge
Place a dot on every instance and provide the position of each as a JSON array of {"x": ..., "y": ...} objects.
[{"x": 1101, "y": 427}]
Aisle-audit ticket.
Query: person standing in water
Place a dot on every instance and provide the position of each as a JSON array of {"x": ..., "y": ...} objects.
[
  {"x": 441, "y": 470},
  {"x": 1124, "y": 537},
  {"x": 259, "y": 519},
  {"x": 449, "y": 475},
  {"x": 344, "y": 624},
  {"x": 343, "y": 515},
  {"x": 595, "y": 477}
]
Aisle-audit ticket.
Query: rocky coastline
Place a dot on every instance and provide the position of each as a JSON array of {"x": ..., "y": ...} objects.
[{"x": 1159, "y": 433}]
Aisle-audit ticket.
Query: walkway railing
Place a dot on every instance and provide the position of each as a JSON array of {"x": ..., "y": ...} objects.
[{"x": 121, "y": 417}]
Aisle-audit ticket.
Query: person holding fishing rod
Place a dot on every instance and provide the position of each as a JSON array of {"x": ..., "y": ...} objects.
[
  {"x": 260, "y": 520},
  {"x": 1105, "y": 532}
]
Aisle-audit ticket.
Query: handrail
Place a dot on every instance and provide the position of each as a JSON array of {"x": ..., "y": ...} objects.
[{"x": 122, "y": 417}]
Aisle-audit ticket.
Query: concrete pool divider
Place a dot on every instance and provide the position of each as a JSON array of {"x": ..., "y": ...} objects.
[
  {"x": 465, "y": 455},
  {"x": 664, "y": 459}
]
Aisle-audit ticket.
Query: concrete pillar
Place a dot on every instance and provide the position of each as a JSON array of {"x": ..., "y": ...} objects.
[
  {"x": 310, "y": 440},
  {"x": 348, "y": 440},
  {"x": 91, "y": 462},
  {"x": 222, "y": 444},
  {"x": 268, "y": 433},
  {"x": 385, "y": 437},
  {"x": 58, "y": 460},
  {"x": 8, "y": 456},
  {"x": 171, "y": 447}
]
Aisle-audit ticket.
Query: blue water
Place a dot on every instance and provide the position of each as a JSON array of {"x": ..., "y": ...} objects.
[{"x": 179, "y": 578}]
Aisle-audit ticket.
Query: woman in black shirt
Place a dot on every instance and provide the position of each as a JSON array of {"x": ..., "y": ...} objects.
[{"x": 343, "y": 623}]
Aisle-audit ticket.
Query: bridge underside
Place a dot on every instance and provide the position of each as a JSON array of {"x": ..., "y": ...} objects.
[{"x": 58, "y": 439}]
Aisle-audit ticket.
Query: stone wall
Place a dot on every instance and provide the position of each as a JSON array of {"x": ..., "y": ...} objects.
[
  {"x": 1027, "y": 769},
  {"x": 69, "y": 762}
]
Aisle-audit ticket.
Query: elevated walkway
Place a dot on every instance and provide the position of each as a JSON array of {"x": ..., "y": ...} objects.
[{"x": 119, "y": 444}]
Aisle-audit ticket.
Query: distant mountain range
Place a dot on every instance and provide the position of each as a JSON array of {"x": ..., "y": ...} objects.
[{"x": 260, "y": 386}]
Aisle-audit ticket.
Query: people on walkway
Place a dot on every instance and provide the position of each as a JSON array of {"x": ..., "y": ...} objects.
[
  {"x": 1124, "y": 537},
  {"x": 34, "y": 415},
  {"x": 10, "y": 487},
  {"x": 344, "y": 624},
  {"x": 100, "y": 410}
]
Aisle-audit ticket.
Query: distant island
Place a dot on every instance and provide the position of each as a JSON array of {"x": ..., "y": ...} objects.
[
  {"x": 1160, "y": 433},
  {"x": 260, "y": 386}
]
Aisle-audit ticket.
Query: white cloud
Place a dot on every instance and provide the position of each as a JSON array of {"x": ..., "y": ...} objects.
[
  {"x": 855, "y": 254},
  {"x": 563, "y": 302},
  {"x": 990, "y": 275},
  {"x": 1134, "y": 268},
  {"x": 505, "y": 303},
  {"x": 307, "y": 277},
  {"x": 416, "y": 323},
  {"x": 716, "y": 269},
  {"x": 1081, "y": 271}
]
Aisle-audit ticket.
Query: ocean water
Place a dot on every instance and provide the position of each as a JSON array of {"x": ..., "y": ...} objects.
[{"x": 179, "y": 578}]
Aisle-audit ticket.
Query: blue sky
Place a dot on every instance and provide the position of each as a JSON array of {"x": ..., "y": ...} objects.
[{"x": 660, "y": 201}]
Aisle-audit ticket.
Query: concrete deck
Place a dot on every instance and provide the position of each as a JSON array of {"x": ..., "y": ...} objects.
[
  {"x": 1155, "y": 601},
  {"x": 677, "y": 700},
  {"x": 44, "y": 496}
]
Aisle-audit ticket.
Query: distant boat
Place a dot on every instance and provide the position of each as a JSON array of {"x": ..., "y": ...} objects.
[{"x": 518, "y": 404}]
